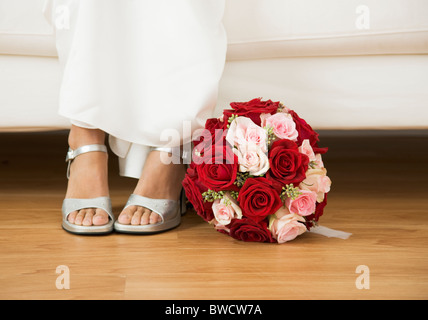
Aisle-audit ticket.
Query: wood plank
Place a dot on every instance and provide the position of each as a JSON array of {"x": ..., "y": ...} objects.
[{"x": 379, "y": 195}]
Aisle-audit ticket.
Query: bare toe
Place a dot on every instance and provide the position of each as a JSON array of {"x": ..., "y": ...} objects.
[
  {"x": 154, "y": 218},
  {"x": 126, "y": 215},
  {"x": 79, "y": 217},
  {"x": 72, "y": 217},
  {"x": 87, "y": 220},
  {"x": 100, "y": 218},
  {"x": 146, "y": 216},
  {"x": 136, "y": 218}
]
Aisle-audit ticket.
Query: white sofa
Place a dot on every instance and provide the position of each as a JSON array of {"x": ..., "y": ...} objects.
[{"x": 339, "y": 64}]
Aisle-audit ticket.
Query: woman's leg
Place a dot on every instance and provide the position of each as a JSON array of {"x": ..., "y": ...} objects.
[
  {"x": 88, "y": 176},
  {"x": 158, "y": 181},
  {"x": 156, "y": 77}
]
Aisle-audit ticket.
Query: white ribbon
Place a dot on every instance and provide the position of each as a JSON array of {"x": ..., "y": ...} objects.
[{"x": 330, "y": 233}]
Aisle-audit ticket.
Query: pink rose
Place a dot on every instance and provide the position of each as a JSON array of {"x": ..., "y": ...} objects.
[
  {"x": 282, "y": 124},
  {"x": 304, "y": 204},
  {"x": 316, "y": 181},
  {"x": 263, "y": 118},
  {"x": 243, "y": 131},
  {"x": 306, "y": 148},
  {"x": 318, "y": 161},
  {"x": 225, "y": 210},
  {"x": 252, "y": 159},
  {"x": 219, "y": 227},
  {"x": 286, "y": 226}
]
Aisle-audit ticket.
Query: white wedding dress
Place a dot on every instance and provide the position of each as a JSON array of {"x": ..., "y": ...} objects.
[{"x": 139, "y": 70}]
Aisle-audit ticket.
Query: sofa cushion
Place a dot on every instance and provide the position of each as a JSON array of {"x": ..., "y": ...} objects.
[
  {"x": 290, "y": 28},
  {"x": 24, "y": 29},
  {"x": 265, "y": 28},
  {"x": 347, "y": 92}
]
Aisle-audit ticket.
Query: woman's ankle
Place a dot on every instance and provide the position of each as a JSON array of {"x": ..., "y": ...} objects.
[{"x": 79, "y": 136}]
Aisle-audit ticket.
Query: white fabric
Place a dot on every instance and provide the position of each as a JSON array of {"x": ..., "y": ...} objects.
[{"x": 136, "y": 68}]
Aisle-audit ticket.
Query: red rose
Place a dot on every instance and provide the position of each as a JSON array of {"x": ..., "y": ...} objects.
[
  {"x": 258, "y": 198},
  {"x": 255, "y": 117},
  {"x": 255, "y": 105},
  {"x": 219, "y": 173},
  {"x": 209, "y": 143},
  {"x": 249, "y": 230},
  {"x": 287, "y": 164},
  {"x": 319, "y": 210},
  {"x": 251, "y": 109},
  {"x": 194, "y": 190},
  {"x": 213, "y": 123},
  {"x": 306, "y": 132},
  {"x": 214, "y": 128}
]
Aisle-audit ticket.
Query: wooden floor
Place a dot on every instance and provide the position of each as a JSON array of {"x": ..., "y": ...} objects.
[{"x": 379, "y": 194}]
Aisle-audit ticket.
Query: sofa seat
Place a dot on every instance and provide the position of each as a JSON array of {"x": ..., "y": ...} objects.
[{"x": 340, "y": 64}]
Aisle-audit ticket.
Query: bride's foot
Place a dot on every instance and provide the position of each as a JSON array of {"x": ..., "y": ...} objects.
[
  {"x": 88, "y": 176},
  {"x": 157, "y": 181}
]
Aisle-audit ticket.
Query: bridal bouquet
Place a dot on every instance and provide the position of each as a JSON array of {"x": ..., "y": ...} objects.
[{"x": 257, "y": 173}]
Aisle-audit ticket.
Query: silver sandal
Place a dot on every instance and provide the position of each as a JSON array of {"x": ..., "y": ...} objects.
[
  {"x": 170, "y": 211},
  {"x": 70, "y": 205}
]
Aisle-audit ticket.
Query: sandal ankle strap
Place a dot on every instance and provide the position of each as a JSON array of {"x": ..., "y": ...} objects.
[{"x": 72, "y": 154}]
